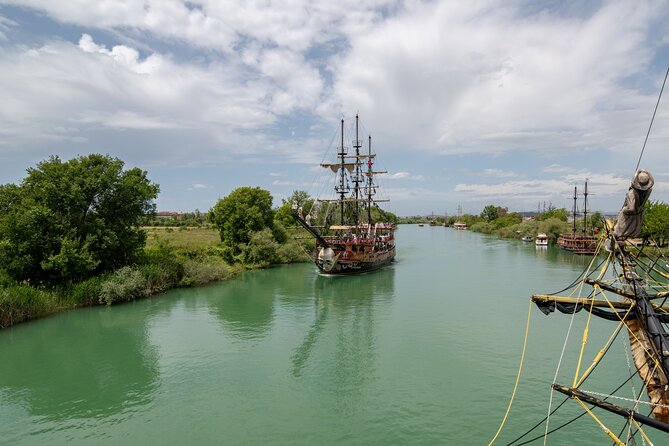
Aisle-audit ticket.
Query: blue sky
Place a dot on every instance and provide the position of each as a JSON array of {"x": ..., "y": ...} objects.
[{"x": 471, "y": 103}]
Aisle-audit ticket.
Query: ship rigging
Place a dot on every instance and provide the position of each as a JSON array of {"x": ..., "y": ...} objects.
[{"x": 348, "y": 239}]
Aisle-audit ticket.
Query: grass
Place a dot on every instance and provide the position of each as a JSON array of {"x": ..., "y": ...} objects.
[{"x": 183, "y": 237}]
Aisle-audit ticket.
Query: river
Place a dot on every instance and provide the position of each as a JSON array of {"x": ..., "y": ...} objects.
[{"x": 423, "y": 352}]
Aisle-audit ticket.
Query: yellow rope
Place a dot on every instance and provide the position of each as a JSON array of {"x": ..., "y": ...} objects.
[
  {"x": 584, "y": 340},
  {"x": 604, "y": 428},
  {"x": 520, "y": 369},
  {"x": 642, "y": 431}
]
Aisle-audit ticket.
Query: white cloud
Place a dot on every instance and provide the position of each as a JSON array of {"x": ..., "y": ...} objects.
[
  {"x": 5, "y": 25},
  {"x": 455, "y": 76},
  {"x": 402, "y": 176}
]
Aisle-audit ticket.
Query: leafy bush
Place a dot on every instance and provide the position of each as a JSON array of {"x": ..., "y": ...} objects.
[
  {"x": 163, "y": 266},
  {"x": 83, "y": 293},
  {"x": 484, "y": 227},
  {"x": 199, "y": 272},
  {"x": 123, "y": 285},
  {"x": 553, "y": 227},
  {"x": 292, "y": 251},
  {"x": 262, "y": 249}
]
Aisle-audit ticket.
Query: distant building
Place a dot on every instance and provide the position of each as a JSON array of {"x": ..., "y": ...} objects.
[{"x": 167, "y": 215}]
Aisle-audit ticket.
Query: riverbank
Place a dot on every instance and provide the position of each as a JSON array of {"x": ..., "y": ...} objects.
[{"x": 172, "y": 259}]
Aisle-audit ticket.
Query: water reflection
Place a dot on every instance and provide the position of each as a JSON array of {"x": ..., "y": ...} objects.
[
  {"x": 71, "y": 366},
  {"x": 245, "y": 305},
  {"x": 347, "y": 305}
]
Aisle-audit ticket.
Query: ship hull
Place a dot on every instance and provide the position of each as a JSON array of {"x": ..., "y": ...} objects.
[
  {"x": 578, "y": 244},
  {"x": 351, "y": 266}
]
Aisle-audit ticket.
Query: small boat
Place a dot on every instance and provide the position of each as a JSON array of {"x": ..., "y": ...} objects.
[
  {"x": 527, "y": 238},
  {"x": 349, "y": 241},
  {"x": 420, "y": 225},
  {"x": 541, "y": 240}
]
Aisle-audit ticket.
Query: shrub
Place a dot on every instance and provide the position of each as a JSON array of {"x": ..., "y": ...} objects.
[
  {"x": 484, "y": 227},
  {"x": 86, "y": 292},
  {"x": 199, "y": 272},
  {"x": 20, "y": 303},
  {"x": 261, "y": 249},
  {"x": 167, "y": 265},
  {"x": 123, "y": 285},
  {"x": 291, "y": 252},
  {"x": 553, "y": 227}
]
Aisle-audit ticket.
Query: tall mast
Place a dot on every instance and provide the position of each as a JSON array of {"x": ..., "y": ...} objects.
[
  {"x": 357, "y": 179},
  {"x": 342, "y": 175},
  {"x": 574, "y": 212},
  {"x": 585, "y": 209},
  {"x": 369, "y": 181}
]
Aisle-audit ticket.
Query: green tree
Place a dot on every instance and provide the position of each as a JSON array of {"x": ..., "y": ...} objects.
[
  {"x": 489, "y": 213},
  {"x": 237, "y": 216},
  {"x": 553, "y": 227},
  {"x": 656, "y": 222},
  {"x": 559, "y": 213},
  {"x": 284, "y": 213},
  {"x": 70, "y": 220}
]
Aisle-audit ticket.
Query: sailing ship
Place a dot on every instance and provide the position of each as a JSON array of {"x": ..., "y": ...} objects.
[
  {"x": 640, "y": 284},
  {"x": 585, "y": 242},
  {"x": 459, "y": 225},
  {"x": 349, "y": 241}
]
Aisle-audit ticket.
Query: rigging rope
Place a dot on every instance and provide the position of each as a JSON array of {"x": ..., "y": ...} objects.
[
  {"x": 652, "y": 119},
  {"x": 566, "y": 340},
  {"x": 558, "y": 407},
  {"x": 520, "y": 369}
]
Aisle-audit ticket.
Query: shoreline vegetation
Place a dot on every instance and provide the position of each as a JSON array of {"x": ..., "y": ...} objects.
[
  {"x": 181, "y": 258},
  {"x": 85, "y": 232}
]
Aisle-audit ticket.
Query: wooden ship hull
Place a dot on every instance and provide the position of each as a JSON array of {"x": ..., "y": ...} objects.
[
  {"x": 578, "y": 243},
  {"x": 346, "y": 261}
]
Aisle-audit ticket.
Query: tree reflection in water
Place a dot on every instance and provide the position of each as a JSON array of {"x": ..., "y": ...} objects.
[{"x": 74, "y": 367}]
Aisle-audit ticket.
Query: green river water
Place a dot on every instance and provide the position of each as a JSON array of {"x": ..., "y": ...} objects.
[{"x": 424, "y": 352}]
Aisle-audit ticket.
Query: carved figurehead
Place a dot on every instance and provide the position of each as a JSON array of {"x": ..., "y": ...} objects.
[
  {"x": 630, "y": 217},
  {"x": 327, "y": 258}
]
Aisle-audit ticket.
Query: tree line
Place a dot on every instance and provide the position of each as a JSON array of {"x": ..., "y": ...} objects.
[{"x": 71, "y": 235}]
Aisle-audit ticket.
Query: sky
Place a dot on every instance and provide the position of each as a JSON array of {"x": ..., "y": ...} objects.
[{"x": 469, "y": 103}]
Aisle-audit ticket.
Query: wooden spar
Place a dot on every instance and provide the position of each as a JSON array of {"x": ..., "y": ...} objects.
[
  {"x": 607, "y": 287},
  {"x": 627, "y": 413},
  {"x": 620, "y": 292},
  {"x": 583, "y": 301},
  {"x": 648, "y": 341},
  {"x": 350, "y": 200}
]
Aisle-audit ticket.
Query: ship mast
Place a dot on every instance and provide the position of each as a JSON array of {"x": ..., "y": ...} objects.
[
  {"x": 369, "y": 181},
  {"x": 585, "y": 209},
  {"x": 574, "y": 213},
  {"x": 357, "y": 179},
  {"x": 342, "y": 175}
]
